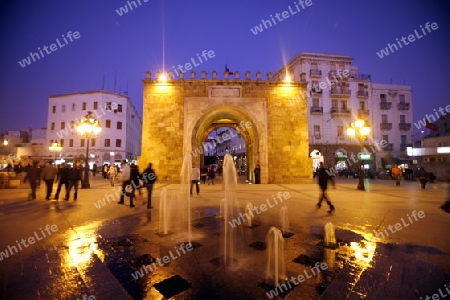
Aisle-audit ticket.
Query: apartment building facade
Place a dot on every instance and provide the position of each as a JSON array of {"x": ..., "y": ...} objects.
[
  {"x": 120, "y": 137},
  {"x": 337, "y": 95}
]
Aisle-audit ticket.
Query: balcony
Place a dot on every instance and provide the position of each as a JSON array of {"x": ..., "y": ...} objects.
[
  {"x": 386, "y": 126},
  {"x": 403, "y": 106},
  {"x": 337, "y": 75},
  {"x": 363, "y": 112},
  {"x": 315, "y": 73},
  {"x": 385, "y": 105},
  {"x": 340, "y": 92},
  {"x": 316, "y": 90},
  {"x": 342, "y": 111},
  {"x": 389, "y": 147},
  {"x": 404, "y": 146},
  {"x": 316, "y": 110},
  {"x": 362, "y": 94},
  {"x": 404, "y": 126}
]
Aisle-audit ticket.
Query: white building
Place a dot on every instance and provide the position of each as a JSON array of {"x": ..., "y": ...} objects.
[
  {"x": 121, "y": 133},
  {"x": 338, "y": 95}
]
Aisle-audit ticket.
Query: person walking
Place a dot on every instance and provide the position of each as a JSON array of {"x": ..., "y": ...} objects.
[
  {"x": 125, "y": 178},
  {"x": 134, "y": 183},
  {"x": 149, "y": 178},
  {"x": 195, "y": 179},
  {"x": 49, "y": 175},
  {"x": 422, "y": 175},
  {"x": 257, "y": 172},
  {"x": 62, "y": 179},
  {"x": 33, "y": 177},
  {"x": 73, "y": 178},
  {"x": 112, "y": 173},
  {"x": 211, "y": 176},
  {"x": 105, "y": 170},
  {"x": 396, "y": 173},
  {"x": 446, "y": 205},
  {"x": 323, "y": 183}
]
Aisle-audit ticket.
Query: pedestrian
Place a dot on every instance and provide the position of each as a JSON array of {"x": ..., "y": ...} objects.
[
  {"x": 396, "y": 173},
  {"x": 73, "y": 179},
  {"x": 149, "y": 178},
  {"x": 33, "y": 178},
  {"x": 195, "y": 179},
  {"x": 112, "y": 174},
  {"x": 134, "y": 184},
  {"x": 446, "y": 205},
  {"x": 125, "y": 178},
  {"x": 323, "y": 183},
  {"x": 105, "y": 171},
  {"x": 62, "y": 179},
  {"x": 211, "y": 176},
  {"x": 422, "y": 175},
  {"x": 94, "y": 169},
  {"x": 257, "y": 172},
  {"x": 49, "y": 175}
]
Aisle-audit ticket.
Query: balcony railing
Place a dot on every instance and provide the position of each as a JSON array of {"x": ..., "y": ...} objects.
[
  {"x": 316, "y": 110},
  {"x": 389, "y": 147},
  {"x": 403, "y": 106},
  {"x": 385, "y": 105},
  {"x": 340, "y": 92},
  {"x": 404, "y": 126},
  {"x": 315, "y": 73},
  {"x": 386, "y": 126},
  {"x": 362, "y": 94},
  {"x": 363, "y": 112},
  {"x": 342, "y": 111},
  {"x": 404, "y": 146}
]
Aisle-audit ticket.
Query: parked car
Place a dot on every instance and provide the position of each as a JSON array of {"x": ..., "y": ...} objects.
[{"x": 348, "y": 173}]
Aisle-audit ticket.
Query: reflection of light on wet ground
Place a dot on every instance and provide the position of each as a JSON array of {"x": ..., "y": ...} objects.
[
  {"x": 83, "y": 243},
  {"x": 363, "y": 252}
]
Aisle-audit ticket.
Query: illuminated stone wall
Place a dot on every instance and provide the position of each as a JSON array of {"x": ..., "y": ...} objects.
[{"x": 179, "y": 113}]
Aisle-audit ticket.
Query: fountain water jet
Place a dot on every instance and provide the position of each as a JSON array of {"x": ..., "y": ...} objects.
[
  {"x": 284, "y": 220},
  {"x": 276, "y": 268},
  {"x": 329, "y": 238},
  {"x": 184, "y": 200},
  {"x": 164, "y": 214},
  {"x": 249, "y": 213}
]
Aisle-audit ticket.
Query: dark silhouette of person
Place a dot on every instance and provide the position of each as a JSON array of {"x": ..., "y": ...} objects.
[
  {"x": 33, "y": 176},
  {"x": 323, "y": 183},
  {"x": 422, "y": 175},
  {"x": 48, "y": 175},
  {"x": 73, "y": 179},
  {"x": 62, "y": 179},
  {"x": 149, "y": 178},
  {"x": 446, "y": 205},
  {"x": 257, "y": 172}
]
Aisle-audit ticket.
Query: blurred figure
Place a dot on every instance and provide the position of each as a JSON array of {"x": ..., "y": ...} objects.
[
  {"x": 73, "y": 179},
  {"x": 62, "y": 179},
  {"x": 195, "y": 180},
  {"x": 125, "y": 178},
  {"x": 33, "y": 177},
  {"x": 49, "y": 175},
  {"x": 396, "y": 173},
  {"x": 257, "y": 172},
  {"x": 446, "y": 205},
  {"x": 149, "y": 178},
  {"x": 112, "y": 174},
  {"x": 422, "y": 175},
  {"x": 211, "y": 176},
  {"x": 323, "y": 183}
]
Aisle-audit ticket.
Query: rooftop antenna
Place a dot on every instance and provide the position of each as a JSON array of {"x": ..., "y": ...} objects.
[{"x": 126, "y": 91}]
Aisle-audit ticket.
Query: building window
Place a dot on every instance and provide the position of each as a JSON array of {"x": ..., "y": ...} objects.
[
  {"x": 63, "y": 125},
  {"x": 118, "y": 143},
  {"x": 317, "y": 131},
  {"x": 344, "y": 104},
  {"x": 386, "y": 138},
  {"x": 72, "y": 125},
  {"x": 403, "y": 139},
  {"x": 401, "y": 98},
  {"x": 108, "y": 123},
  {"x": 402, "y": 119},
  {"x": 107, "y": 142},
  {"x": 62, "y": 142},
  {"x": 383, "y": 97},
  {"x": 54, "y": 109},
  {"x": 52, "y": 126},
  {"x": 119, "y": 108},
  {"x": 95, "y": 105},
  {"x": 92, "y": 142},
  {"x": 119, "y": 125},
  {"x": 63, "y": 108},
  {"x": 362, "y": 105},
  {"x": 83, "y": 106},
  {"x": 316, "y": 102},
  {"x": 73, "y": 106},
  {"x": 340, "y": 131},
  {"x": 82, "y": 143},
  {"x": 384, "y": 118},
  {"x": 71, "y": 143},
  {"x": 108, "y": 106},
  {"x": 334, "y": 104}
]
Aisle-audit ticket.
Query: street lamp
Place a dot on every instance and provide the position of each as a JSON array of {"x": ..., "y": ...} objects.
[
  {"x": 359, "y": 130},
  {"x": 86, "y": 128},
  {"x": 55, "y": 148}
]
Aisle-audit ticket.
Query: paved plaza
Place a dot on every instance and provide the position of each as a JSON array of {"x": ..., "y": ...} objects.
[{"x": 393, "y": 244}]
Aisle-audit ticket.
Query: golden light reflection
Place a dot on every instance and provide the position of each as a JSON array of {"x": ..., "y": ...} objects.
[
  {"x": 83, "y": 244},
  {"x": 364, "y": 252}
]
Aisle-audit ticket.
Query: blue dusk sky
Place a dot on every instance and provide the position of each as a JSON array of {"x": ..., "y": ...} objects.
[{"x": 160, "y": 34}]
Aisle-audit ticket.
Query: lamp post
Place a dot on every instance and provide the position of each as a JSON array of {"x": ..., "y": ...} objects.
[
  {"x": 55, "y": 148},
  {"x": 88, "y": 127},
  {"x": 360, "y": 130}
]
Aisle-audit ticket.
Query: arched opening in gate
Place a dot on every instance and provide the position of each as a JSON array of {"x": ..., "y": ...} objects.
[{"x": 226, "y": 130}]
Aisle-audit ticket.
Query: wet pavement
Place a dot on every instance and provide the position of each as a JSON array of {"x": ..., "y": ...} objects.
[{"x": 109, "y": 251}]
